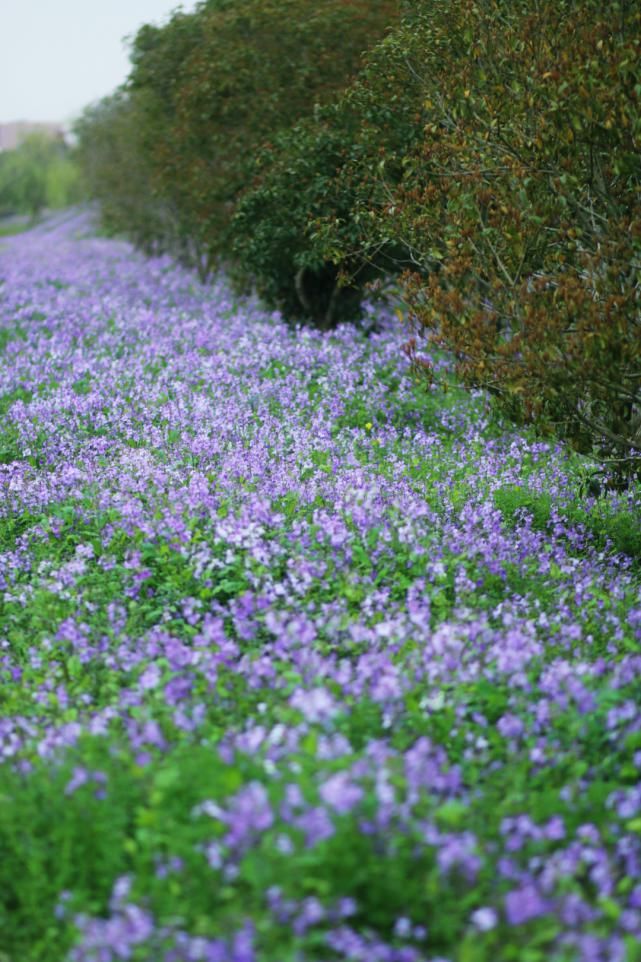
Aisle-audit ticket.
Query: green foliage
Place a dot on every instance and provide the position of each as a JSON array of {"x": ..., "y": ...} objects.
[
  {"x": 616, "y": 528},
  {"x": 521, "y": 208},
  {"x": 493, "y": 149},
  {"x": 39, "y": 173},
  {"x": 309, "y": 210},
  {"x": 209, "y": 91},
  {"x": 116, "y": 171},
  {"x": 515, "y": 502},
  {"x": 294, "y": 180}
]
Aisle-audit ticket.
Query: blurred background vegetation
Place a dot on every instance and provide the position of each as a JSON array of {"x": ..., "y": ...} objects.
[{"x": 40, "y": 173}]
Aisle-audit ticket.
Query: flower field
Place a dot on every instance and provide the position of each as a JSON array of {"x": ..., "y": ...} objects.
[{"x": 299, "y": 661}]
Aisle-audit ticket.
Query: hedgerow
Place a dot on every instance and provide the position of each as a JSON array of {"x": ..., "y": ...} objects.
[
  {"x": 208, "y": 90},
  {"x": 490, "y": 150},
  {"x": 523, "y": 207},
  {"x": 117, "y": 172},
  {"x": 303, "y": 229}
]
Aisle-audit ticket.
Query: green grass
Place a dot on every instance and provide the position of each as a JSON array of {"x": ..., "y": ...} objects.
[{"x": 10, "y": 230}]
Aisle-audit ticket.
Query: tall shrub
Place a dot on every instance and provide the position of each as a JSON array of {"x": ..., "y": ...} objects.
[
  {"x": 212, "y": 88},
  {"x": 522, "y": 208},
  {"x": 303, "y": 229},
  {"x": 116, "y": 171},
  {"x": 498, "y": 148}
]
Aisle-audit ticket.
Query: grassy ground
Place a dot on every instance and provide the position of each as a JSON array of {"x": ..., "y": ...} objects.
[{"x": 11, "y": 226}]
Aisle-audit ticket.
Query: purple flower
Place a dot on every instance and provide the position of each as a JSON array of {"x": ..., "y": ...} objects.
[
  {"x": 524, "y": 904},
  {"x": 510, "y": 726},
  {"x": 484, "y": 919},
  {"x": 341, "y": 793},
  {"x": 316, "y": 705}
]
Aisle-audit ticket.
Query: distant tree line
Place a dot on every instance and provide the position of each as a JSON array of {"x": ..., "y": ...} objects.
[
  {"x": 40, "y": 173},
  {"x": 486, "y": 153}
]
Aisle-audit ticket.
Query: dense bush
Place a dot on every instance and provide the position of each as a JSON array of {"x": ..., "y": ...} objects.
[
  {"x": 302, "y": 231},
  {"x": 270, "y": 226},
  {"x": 116, "y": 171},
  {"x": 523, "y": 208},
  {"x": 493, "y": 147},
  {"x": 209, "y": 89}
]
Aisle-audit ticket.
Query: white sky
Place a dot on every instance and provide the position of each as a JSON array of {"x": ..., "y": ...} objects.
[{"x": 57, "y": 56}]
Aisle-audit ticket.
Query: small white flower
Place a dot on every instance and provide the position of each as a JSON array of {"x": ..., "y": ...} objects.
[{"x": 484, "y": 919}]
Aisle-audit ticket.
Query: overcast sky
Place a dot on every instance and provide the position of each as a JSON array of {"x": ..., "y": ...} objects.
[{"x": 56, "y": 56}]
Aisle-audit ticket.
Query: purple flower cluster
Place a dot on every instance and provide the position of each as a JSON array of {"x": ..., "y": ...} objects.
[
  {"x": 418, "y": 727},
  {"x": 129, "y": 926}
]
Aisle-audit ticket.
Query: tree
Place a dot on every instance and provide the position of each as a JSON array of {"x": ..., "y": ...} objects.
[
  {"x": 522, "y": 208},
  {"x": 213, "y": 88},
  {"x": 303, "y": 229},
  {"x": 38, "y": 173},
  {"x": 117, "y": 172},
  {"x": 495, "y": 151}
]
